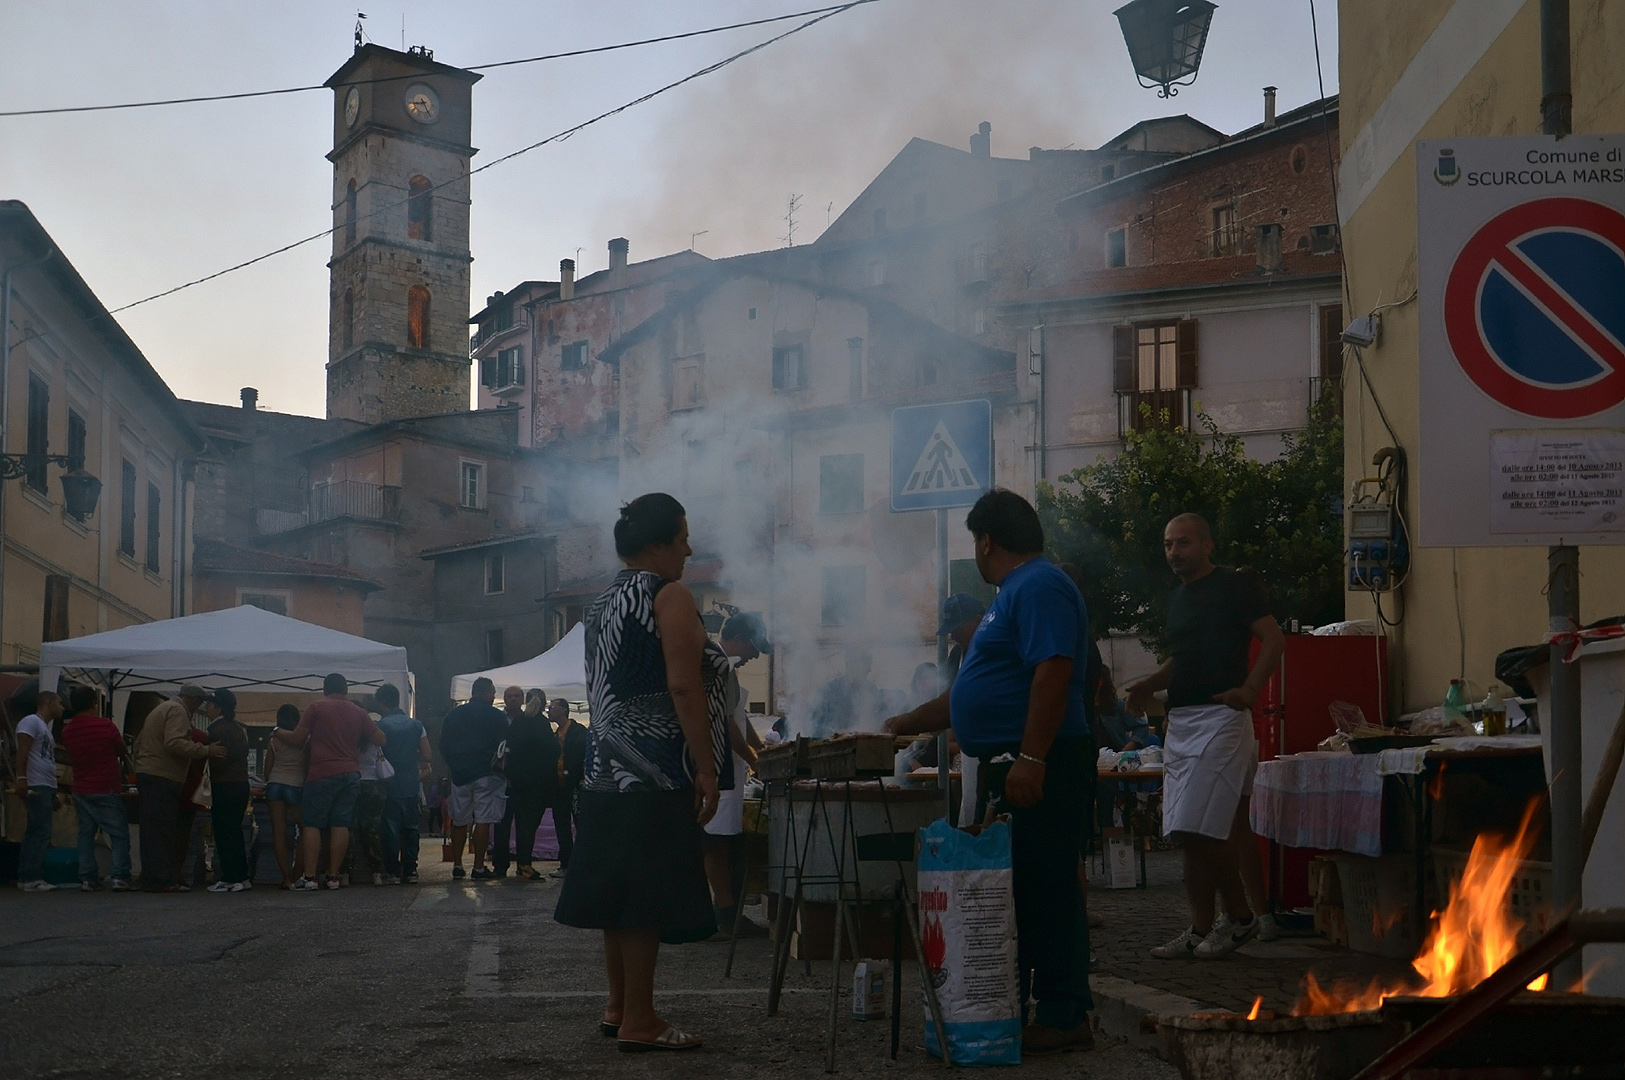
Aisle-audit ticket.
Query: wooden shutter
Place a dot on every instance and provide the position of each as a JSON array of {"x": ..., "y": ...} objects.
[
  {"x": 488, "y": 371},
  {"x": 1123, "y": 357},
  {"x": 1186, "y": 353}
]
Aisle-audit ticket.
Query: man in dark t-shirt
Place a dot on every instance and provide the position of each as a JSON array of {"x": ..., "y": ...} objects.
[{"x": 1210, "y": 753}]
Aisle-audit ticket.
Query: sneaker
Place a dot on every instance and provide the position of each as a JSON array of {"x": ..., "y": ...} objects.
[
  {"x": 1268, "y": 930},
  {"x": 1225, "y": 938},
  {"x": 246, "y": 885},
  {"x": 482, "y": 873},
  {"x": 559, "y": 873},
  {"x": 410, "y": 879},
  {"x": 87, "y": 886},
  {"x": 1181, "y": 948},
  {"x": 119, "y": 885},
  {"x": 331, "y": 882},
  {"x": 1036, "y": 1039},
  {"x": 223, "y": 887},
  {"x": 377, "y": 879},
  {"x": 305, "y": 884},
  {"x": 36, "y": 886},
  {"x": 457, "y": 873},
  {"x": 386, "y": 879}
]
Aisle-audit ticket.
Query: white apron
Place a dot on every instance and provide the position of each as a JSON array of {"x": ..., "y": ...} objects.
[{"x": 1208, "y": 761}]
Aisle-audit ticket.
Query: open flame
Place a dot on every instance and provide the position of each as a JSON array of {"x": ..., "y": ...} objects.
[
  {"x": 1472, "y": 937},
  {"x": 1258, "y": 1007}
]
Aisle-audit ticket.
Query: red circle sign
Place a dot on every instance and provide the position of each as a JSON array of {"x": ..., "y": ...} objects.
[{"x": 1534, "y": 308}]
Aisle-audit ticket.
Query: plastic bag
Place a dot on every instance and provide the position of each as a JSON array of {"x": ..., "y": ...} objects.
[{"x": 968, "y": 931}]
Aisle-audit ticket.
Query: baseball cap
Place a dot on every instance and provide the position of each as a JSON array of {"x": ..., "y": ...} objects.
[
  {"x": 957, "y": 609},
  {"x": 749, "y": 626}
]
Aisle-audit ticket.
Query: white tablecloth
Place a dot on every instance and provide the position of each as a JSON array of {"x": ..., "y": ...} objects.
[{"x": 1320, "y": 800}]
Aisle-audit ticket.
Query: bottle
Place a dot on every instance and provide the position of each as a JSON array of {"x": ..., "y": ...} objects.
[
  {"x": 1455, "y": 703},
  {"x": 1495, "y": 711}
]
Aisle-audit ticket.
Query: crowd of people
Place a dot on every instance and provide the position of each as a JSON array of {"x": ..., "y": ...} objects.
[{"x": 648, "y": 801}]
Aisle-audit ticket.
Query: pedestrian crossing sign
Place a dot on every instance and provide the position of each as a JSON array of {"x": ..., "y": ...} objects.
[{"x": 941, "y": 455}]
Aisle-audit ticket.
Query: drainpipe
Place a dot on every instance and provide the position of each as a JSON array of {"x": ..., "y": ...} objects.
[
  {"x": 5, "y": 407},
  {"x": 1563, "y": 564}
]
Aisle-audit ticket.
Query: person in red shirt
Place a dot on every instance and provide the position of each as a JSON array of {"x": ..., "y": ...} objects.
[
  {"x": 336, "y": 728},
  {"x": 97, "y": 750}
]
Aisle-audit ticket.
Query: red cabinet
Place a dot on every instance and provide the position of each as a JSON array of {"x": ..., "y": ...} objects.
[{"x": 1293, "y": 714}]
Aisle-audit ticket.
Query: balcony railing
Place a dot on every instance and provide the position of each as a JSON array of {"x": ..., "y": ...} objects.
[
  {"x": 347, "y": 498},
  {"x": 1141, "y": 410},
  {"x": 490, "y": 331}
]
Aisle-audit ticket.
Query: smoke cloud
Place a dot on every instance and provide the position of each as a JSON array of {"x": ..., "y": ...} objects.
[{"x": 821, "y": 113}]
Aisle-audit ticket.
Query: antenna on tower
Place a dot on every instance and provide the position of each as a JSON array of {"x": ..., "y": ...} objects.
[
  {"x": 360, "y": 34},
  {"x": 789, "y": 236},
  {"x": 828, "y": 213},
  {"x": 695, "y": 236}
]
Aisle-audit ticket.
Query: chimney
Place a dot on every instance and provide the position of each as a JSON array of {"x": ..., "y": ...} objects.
[
  {"x": 981, "y": 143},
  {"x": 617, "y": 262},
  {"x": 567, "y": 279},
  {"x": 251, "y": 398},
  {"x": 1269, "y": 106}
]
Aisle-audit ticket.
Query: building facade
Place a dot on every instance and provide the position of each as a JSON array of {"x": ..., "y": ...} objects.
[
  {"x": 79, "y": 387},
  {"x": 1441, "y": 69}
]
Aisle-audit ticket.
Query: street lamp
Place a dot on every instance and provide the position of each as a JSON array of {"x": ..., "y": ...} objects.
[
  {"x": 80, "y": 490},
  {"x": 1165, "y": 39}
]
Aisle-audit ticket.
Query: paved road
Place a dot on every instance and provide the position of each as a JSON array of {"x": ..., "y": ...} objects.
[{"x": 437, "y": 980}]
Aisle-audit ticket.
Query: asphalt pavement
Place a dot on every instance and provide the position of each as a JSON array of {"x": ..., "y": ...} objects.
[{"x": 441, "y": 979}]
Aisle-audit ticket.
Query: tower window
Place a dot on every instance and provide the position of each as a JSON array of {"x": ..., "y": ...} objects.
[
  {"x": 347, "y": 315},
  {"x": 419, "y": 209},
  {"x": 349, "y": 214},
  {"x": 417, "y": 317}
]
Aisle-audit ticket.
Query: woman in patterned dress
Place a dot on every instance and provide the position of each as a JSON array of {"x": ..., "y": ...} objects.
[{"x": 655, "y": 687}]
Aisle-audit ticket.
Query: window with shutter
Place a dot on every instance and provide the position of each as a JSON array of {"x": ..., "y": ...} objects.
[
  {"x": 1187, "y": 354},
  {"x": 488, "y": 372},
  {"x": 1123, "y": 358}
]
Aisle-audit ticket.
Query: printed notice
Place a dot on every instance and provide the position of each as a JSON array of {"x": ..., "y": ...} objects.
[{"x": 1567, "y": 482}]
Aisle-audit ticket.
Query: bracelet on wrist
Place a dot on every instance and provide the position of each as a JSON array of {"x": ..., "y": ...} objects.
[{"x": 1040, "y": 762}]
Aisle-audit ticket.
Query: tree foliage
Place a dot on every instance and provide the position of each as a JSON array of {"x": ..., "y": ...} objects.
[{"x": 1281, "y": 518}]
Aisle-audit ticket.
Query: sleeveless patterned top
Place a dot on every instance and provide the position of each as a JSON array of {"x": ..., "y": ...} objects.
[{"x": 635, "y": 742}]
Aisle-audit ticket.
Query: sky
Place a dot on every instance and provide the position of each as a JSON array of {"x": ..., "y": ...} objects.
[{"x": 143, "y": 200}]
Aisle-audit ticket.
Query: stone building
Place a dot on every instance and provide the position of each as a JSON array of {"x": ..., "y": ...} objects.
[
  {"x": 80, "y": 388},
  {"x": 400, "y": 265}
]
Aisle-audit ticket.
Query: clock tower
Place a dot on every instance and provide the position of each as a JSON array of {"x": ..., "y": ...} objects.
[{"x": 398, "y": 324}]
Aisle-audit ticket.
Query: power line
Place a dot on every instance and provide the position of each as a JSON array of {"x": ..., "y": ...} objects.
[
  {"x": 824, "y": 13},
  {"x": 831, "y": 10}
]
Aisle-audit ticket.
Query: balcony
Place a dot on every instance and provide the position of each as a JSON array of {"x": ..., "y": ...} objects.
[
  {"x": 1142, "y": 410},
  {"x": 494, "y": 329},
  {"x": 326, "y": 502}
]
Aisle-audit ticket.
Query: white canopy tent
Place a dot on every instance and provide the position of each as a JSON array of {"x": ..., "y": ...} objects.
[
  {"x": 560, "y": 671},
  {"x": 240, "y": 649}
]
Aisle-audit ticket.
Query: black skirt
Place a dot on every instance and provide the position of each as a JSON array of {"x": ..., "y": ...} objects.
[{"x": 638, "y": 864}]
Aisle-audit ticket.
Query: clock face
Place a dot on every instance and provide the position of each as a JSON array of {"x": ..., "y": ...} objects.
[
  {"x": 352, "y": 106},
  {"x": 422, "y": 103}
]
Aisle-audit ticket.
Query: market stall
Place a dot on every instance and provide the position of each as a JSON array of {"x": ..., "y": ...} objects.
[
  {"x": 242, "y": 649},
  {"x": 561, "y": 671}
]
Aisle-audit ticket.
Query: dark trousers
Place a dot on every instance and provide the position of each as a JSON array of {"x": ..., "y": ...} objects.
[
  {"x": 230, "y": 801},
  {"x": 398, "y": 832},
  {"x": 527, "y": 808},
  {"x": 158, "y": 806},
  {"x": 564, "y": 808},
  {"x": 40, "y": 804},
  {"x": 1047, "y": 842}
]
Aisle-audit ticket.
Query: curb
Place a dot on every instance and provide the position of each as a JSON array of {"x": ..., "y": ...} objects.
[{"x": 1128, "y": 1011}]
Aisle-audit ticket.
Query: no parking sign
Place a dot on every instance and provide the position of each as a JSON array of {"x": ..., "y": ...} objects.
[{"x": 1521, "y": 281}]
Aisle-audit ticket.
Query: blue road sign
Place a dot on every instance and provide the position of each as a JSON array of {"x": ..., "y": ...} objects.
[{"x": 941, "y": 455}]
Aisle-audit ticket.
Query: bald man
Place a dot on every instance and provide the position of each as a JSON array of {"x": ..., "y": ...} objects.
[{"x": 1210, "y": 753}]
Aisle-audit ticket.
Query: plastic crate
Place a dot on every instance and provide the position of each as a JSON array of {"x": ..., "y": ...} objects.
[
  {"x": 1379, "y": 897},
  {"x": 1529, "y": 900}
]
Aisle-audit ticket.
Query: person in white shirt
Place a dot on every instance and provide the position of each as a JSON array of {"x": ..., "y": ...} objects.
[
  {"x": 743, "y": 638},
  {"x": 36, "y": 786}
]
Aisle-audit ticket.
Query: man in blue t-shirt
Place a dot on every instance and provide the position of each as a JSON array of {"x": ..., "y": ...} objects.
[
  {"x": 1018, "y": 707},
  {"x": 407, "y": 750}
]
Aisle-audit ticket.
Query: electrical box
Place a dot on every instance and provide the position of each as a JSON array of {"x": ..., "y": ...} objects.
[{"x": 1377, "y": 553}]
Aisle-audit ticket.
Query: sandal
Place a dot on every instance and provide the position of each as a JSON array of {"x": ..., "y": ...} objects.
[
  {"x": 608, "y": 1030},
  {"x": 527, "y": 873},
  {"x": 670, "y": 1039}
]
